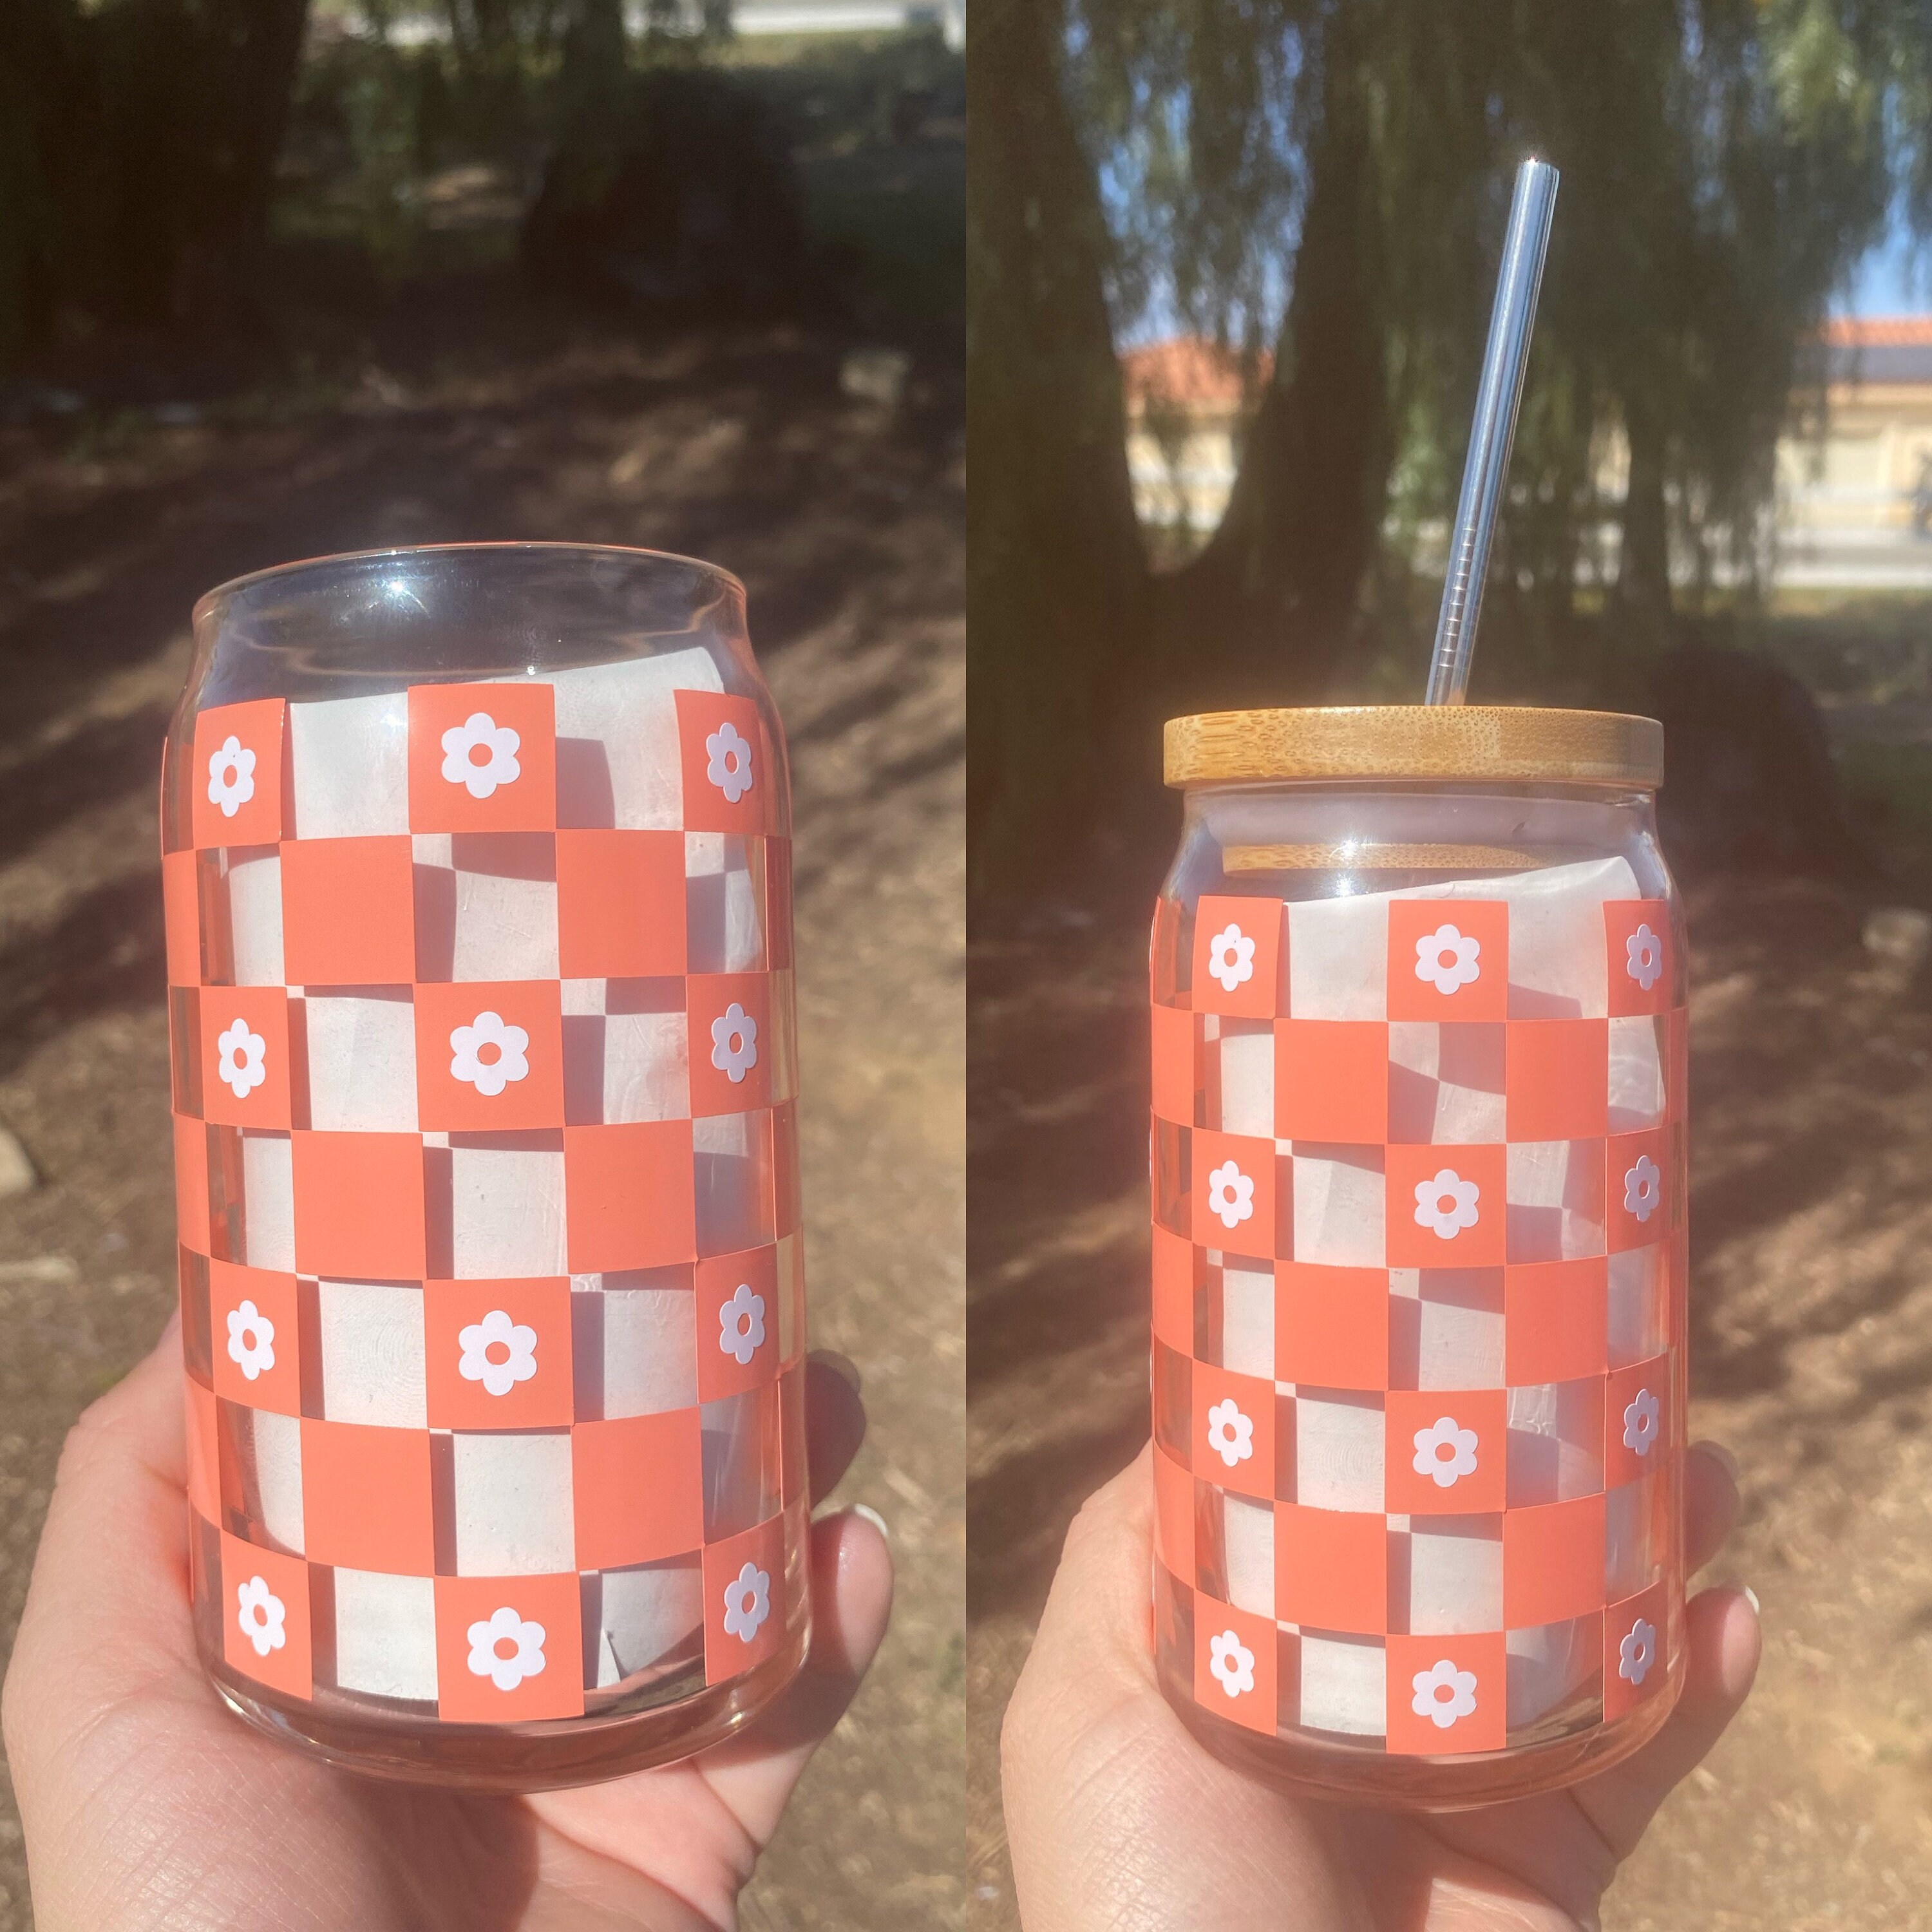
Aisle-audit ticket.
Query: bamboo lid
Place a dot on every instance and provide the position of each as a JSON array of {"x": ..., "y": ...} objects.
[{"x": 1516, "y": 744}]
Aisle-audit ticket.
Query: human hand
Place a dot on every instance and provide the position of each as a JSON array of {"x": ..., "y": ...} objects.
[
  {"x": 1116, "y": 1816},
  {"x": 146, "y": 1804}
]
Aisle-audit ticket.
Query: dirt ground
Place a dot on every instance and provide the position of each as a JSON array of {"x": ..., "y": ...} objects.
[
  {"x": 471, "y": 416},
  {"x": 1811, "y": 1358}
]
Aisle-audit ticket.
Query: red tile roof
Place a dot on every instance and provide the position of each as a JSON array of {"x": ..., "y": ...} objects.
[
  {"x": 1187, "y": 372},
  {"x": 1879, "y": 332}
]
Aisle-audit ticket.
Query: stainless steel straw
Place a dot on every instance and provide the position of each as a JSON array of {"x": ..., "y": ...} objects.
[{"x": 1531, "y": 208}]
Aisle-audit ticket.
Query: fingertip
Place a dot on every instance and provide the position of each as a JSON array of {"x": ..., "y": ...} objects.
[{"x": 852, "y": 1584}]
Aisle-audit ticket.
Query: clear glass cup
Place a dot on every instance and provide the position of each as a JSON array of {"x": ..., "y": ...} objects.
[
  {"x": 476, "y": 866},
  {"x": 1418, "y": 983}
]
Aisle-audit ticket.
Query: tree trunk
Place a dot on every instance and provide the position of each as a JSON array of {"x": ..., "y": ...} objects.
[
  {"x": 1056, "y": 577},
  {"x": 1643, "y": 570},
  {"x": 1266, "y": 610}
]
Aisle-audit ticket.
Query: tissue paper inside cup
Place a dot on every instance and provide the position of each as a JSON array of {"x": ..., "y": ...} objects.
[
  {"x": 1339, "y": 1198},
  {"x": 1637, "y": 1056},
  {"x": 1338, "y": 1451},
  {"x": 1446, "y": 1328},
  {"x": 732, "y": 1161},
  {"x": 386, "y": 1635},
  {"x": 647, "y": 1066},
  {"x": 504, "y": 1207},
  {"x": 1248, "y": 1539},
  {"x": 513, "y": 1513},
  {"x": 362, "y": 1060},
  {"x": 1448, "y": 1575},
  {"x": 269, "y": 1202},
  {"x": 1338, "y": 959},
  {"x": 1548, "y": 1665},
  {"x": 724, "y": 914},
  {"x": 634, "y": 1343},
  {"x": 1247, "y": 1320},
  {"x": 1247, "y": 1078},
  {"x": 277, "y": 1501},
  {"x": 1639, "y": 1305},
  {"x": 1446, "y": 1083},
  {"x": 255, "y": 915},
  {"x": 486, "y": 905},
  {"x": 1555, "y": 1442},
  {"x": 1344, "y": 1685},
  {"x": 650, "y": 1620},
  {"x": 618, "y": 757},
  {"x": 351, "y": 761},
  {"x": 737, "y": 1492},
  {"x": 1555, "y": 1200},
  {"x": 372, "y": 1369},
  {"x": 1635, "y": 1548}
]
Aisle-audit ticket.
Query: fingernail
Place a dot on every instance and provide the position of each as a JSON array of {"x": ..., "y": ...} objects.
[
  {"x": 1722, "y": 1454},
  {"x": 1751, "y": 1597},
  {"x": 843, "y": 1366},
  {"x": 872, "y": 1516}
]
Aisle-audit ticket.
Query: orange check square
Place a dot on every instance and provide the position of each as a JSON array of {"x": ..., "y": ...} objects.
[
  {"x": 794, "y": 1457},
  {"x": 1640, "y": 1431},
  {"x": 366, "y": 1497},
  {"x": 1553, "y": 1561},
  {"x": 1447, "y": 1451},
  {"x": 191, "y": 1183},
  {"x": 1556, "y": 1320},
  {"x": 1642, "y": 960},
  {"x": 1447, "y": 1694},
  {"x": 509, "y": 1650},
  {"x": 181, "y": 917},
  {"x": 244, "y": 1056},
  {"x": 1636, "y": 1650},
  {"x": 1640, "y": 1187},
  {"x": 778, "y": 904},
  {"x": 1331, "y": 1326},
  {"x": 1234, "y": 1430},
  {"x": 264, "y": 1617},
  {"x": 1233, "y": 1204},
  {"x": 1237, "y": 956},
  {"x": 1448, "y": 959},
  {"x": 731, "y": 780},
  {"x": 1174, "y": 1515},
  {"x": 252, "y": 1324},
  {"x": 1235, "y": 1675},
  {"x": 1331, "y": 1080},
  {"x": 236, "y": 794},
  {"x": 788, "y": 1198},
  {"x": 730, "y": 1018},
  {"x": 620, "y": 904},
  {"x": 482, "y": 758},
  {"x": 498, "y": 1354},
  {"x": 1447, "y": 1207},
  {"x": 1175, "y": 1277},
  {"x": 639, "y": 1488},
  {"x": 747, "y": 1594},
  {"x": 1559, "y": 1080},
  {"x": 627, "y": 1195},
  {"x": 1331, "y": 1569},
  {"x": 489, "y": 1055},
  {"x": 204, "y": 1452},
  {"x": 1677, "y": 1066},
  {"x": 349, "y": 912},
  {"x": 1176, "y": 1075},
  {"x": 358, "y": 1203},
  {"x": 737, "y": 1312}
]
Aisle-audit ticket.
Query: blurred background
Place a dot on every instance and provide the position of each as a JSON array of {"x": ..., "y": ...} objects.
[
  {"x": 1230, "y": 268},
  {"x": 284, "y": 277}
]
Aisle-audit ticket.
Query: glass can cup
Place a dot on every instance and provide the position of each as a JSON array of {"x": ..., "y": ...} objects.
[
  {"x": 477, "y": 877},
  {"x": 1419, "y": 1052}
]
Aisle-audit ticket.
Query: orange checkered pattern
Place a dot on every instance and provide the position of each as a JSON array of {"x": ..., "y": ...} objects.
[
  {"x": 488, "y": 1178},
  {"x": 1418, "y": 1325}
]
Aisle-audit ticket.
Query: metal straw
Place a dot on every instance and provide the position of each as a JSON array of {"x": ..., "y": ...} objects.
[{"x": 1510, "y": 321}]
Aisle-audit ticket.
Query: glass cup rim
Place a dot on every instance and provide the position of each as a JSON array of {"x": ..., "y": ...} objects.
[{"x": 209, "y": 600}]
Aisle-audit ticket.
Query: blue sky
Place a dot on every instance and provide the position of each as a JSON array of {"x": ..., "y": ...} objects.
[{"x": 1889, "y": 281}]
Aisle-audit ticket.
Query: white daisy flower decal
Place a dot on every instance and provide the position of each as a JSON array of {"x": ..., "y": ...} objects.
[
  {"x": 231, "y": 776},
  {"x": 1643, "y": 1188},
  {"x": 1637, "y": 1652},
  {"x": 1232, "y": 1663},
  {"x": 1443, "y": 1693},
  {"x": 244, "y": 1059},
  {"x": 734, "y": 1043},
  {"x": 1231, "y": 1434},
  {"x": 497, "y": 1352},
  {"x": 1445, "y": 1451},
  {"x": 1447, "y": 1204},
  {"x": 488, "y": 1053},
  {"x": 747, "y": 1602},
  {"x": 1230, "y": 957},
  {"x": 1446, "y": 958},
  {"x": 261, "y": 1615},
  {"x": 251, "y": 1339},
  {"x": 480, "y": 754},
  {"x": 728, "y": 754},
  {"x": 741, "y": 1324},
  {"x": 1643, "y": 957},
  {"x": 1640, "y": 1421},
  {"x": 506, "y": 1649},
  {"x": 1230, "y": 1195}
]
